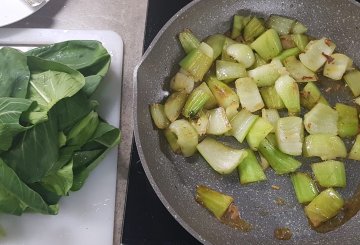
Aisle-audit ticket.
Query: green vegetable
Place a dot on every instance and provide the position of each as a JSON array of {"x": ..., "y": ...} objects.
[
  {"x": 298, "y": 28},
  {"x": 172, "y": 140},
  {"x": 288, "y": 53},
  {"x": 253, "y": 29},
  {"x": 188, "y": 40},
  {"x": 51, "y": 136},
  {"x": 249, "y": 94},
  {"x": 281, "y": 24},
  {"x": 241, "y": 124},
  {"x": 237, "y": 27},
  {"x": 229, "y": 70},
  {"x": 348, "y": 122},
  {"x": 217, "y": 43},
  {"x": 158, "y": 115},
  {"x": 214, "y": 201},
  {"x": 200, "y": 123},
  {"x": 279, "y": 161},
  {"x": 187, "y": 137},
  {"x": 325, "y": 146},
  {"x": 218, "y": 122},
  {"x": 224, "y": 95},
  {"x": 289, "y": 133},
  {"x": 271, "y": 98},
  {"x": 268, "y": 45},
  {"x": 352, "y": 79},
  {"x": 242, "y": 53},
  {"x": 174, "y": 105},
  {"x": 227, "y": 43},
  {"x": 355, "y": 150},
  {"x": 300, "y": 40},
  {"x": 197, "y": 64},
  {"x": 250, "y": 170},
  {"x": 259, "y": 130},
  {"x": 272, "y": 115},
  {"x": 304, "y": 186},
  {"x": 322, "y": 119},
  {"x": 195, "y": 103},
  {"x": 336, "y": 66},
  {"x": 325, "y": 206},
  {"x": 266, "y": 75},
  {"x": 310, "y": 95},
  {"x": 223, "y": 159},
  {"x": 182, "y": 82},
  {"x": 330, "y": 173},
  {"x": 298, "y": 71},
  {"x": 288, "y": 90},
  {"x": 211, "y": 102}
]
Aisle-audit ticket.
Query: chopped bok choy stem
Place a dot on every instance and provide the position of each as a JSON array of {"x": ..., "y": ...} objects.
[
  {"x": 348, "y": 122},
  {"x": 304, "y": 186},
  {"x": 250, "y": 170},
  {"x": 300, "y": 40},
  {"x": 218, "y": 122},
  {"x": 279, "y": 161},
  {"x": 242, "y": 53},
  {"x": 174, "y": 105},
  {"x": 336, "y": 66},
  {"x": 187, "y": 137},
  {"x": 227, "y": 43},
  {"x": 298, "y": 28},
  {"x": 329, "y": 173},
  {"x": 223, "y": 159},
  {"x": 172, "y": 140},
  {"x": 323, "y": 207},
  {"x": 321, "y": 119},
  {"x": 241, "y": 124},
  {"x": 268, "y": 45},
  {"x": 352, "y": 79},
  {"x": 271, "y": 98},
  {"x": 355, "y": 150},
  {"x": 158, "y": 115},
  {"x": 188, "y": 40},
  {"x": 238, "y": 26},
  {"x": 272, "y": 115},
  {"x": 217, "y": 43},
  {"x": 289, "y": 133},
  {"x": 229, "y": 70},
  {"x": 288, "y": 53},
  {"x": 195, "y": 103},
  {"x": 254, "y": 28},
  {"x": 182, "y": 82},
  {"x": 266, "y": 75},
  {"x": 211, "y": 103},
  {"x": 258, "y": 62},
  {"x": 325, "y": 146},
  {"x": 298, "y": 71},
  {"x": 280, "y": 24},
  {"x": 197, "y": 63},
  {"x": 224, "y": 95},
  {"x": 288, "y": 90},
  {"x": 287, "y": 42},
  {"x": 317, "y": 53},
  {"x": 310, "y": 96},
  {"x": 260, "y": 129},
  {"x": 200, "y": 123},
  {"x": 216, "y": 202},
  {"x": 249, "y": 94}
]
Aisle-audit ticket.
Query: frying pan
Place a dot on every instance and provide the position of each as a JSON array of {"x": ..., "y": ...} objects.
[{"x": 174, "y": 177}]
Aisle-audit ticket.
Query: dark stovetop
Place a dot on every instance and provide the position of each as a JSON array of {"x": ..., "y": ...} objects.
[{"x": 146, "y": 220}]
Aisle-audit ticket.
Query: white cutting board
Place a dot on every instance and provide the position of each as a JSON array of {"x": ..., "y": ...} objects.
[{"x": 87, "y": 216}]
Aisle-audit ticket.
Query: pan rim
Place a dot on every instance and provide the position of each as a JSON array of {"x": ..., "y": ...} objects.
[{"x": 147, "y": 171}]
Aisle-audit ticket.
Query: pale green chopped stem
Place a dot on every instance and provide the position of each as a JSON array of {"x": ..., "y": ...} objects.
[
  {"x": 279, "y": 161},
  {"x": 272, "y": 115},
  {"x": 321, "y": 119},
  {"x": 288, "y": 90},
  {"x": 260, "y": 129},
  {"x": 211, "y": 103},
  {"x": 187, "y": 137},
  {"x": 229, "y": 70},
  {"x": 289, "y": 133},
  {"x": 200, "y": 123},
  {"x": 325, "y": 206},
  {"x": 298, "y": 28},
  {"x": 250, "y": 170},
  {"x": 271, "y": 98},
  {"x": 268, "y": 45},
  {"x": 241, "y": 124},
  {"x": 304, "y": 186},
  {"x": 197, "y": 64},
  {"x": 242, "y": 53},
  {"x": 336, "y": 66},
  {"x": 218, "y": 122},
  {"x": 249, "y": 94},
  {"x": 287, "y": 42},
  {"x": 325, "y": 146},
  {"x": 216, "y": 202},
  {"x": 172, "y": 140},
  {"x": 188, "y": 40},
  {"x": 287, "y": 53},
  {"x": 355, "y": 150},
  {"x": 224, "y": 95},
  {"x": 330, "y": 173},
  {"x": 238, "y": 26},
  {"x": 298, "y": 71},
  {"x": 206, "y": 49},
  {"x": 348, "y": 122},
  {"x": 217, "y": 43},
  {"x": 253, "y": 29},
  {"x": 174, "y": 105},
  {"x": 352, "y": 79},
  {"x": 182, "y": 82},
  {"x": 310, "y": 95},
  {"x": 266, "y": 75},
  {"x": 158, "y": 116},
  {"x": 224, "y": 54},
  {"x": 281, "y": 24},
  {"x": 195, "y": 102},
  {"x": 222, "y": 158},
  {"x": 300, "y": 40}
]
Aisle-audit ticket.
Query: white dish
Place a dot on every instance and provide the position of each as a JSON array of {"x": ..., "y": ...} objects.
[
  {"x": 86, "y": 216},
  {"x": 15, "y": 10}
]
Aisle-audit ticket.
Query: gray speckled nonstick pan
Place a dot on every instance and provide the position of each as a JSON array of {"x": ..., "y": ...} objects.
[{"x": 174, "y": 177}]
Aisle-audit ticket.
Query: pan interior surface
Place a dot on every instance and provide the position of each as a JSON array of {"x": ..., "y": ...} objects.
[{"x": 175, "y": 178}]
